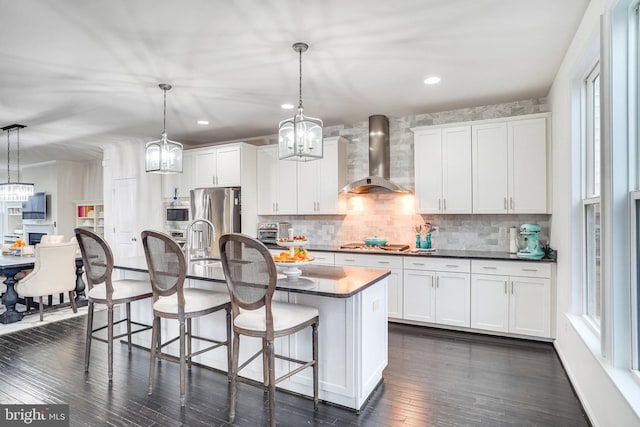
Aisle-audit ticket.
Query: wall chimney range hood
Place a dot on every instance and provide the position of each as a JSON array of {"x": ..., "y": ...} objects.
[{"x": 379, "y": 162}]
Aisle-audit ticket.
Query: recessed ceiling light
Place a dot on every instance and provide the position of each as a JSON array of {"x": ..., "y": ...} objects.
[
  {"x": 432, "y": 80},
  {"x": 287, "y": 106},
  {"x": 203, "y": 122}
]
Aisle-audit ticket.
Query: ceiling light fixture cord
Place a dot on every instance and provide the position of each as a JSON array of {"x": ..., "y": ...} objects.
[
  {"x": 8, "y": 157},
  {"x": 164, "y": 113},
  {"x": 300, "y": 100},
  {"x": 18, "y": 156}
]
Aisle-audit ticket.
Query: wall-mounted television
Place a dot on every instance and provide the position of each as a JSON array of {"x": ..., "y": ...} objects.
[{"x": 35, "y": 207}]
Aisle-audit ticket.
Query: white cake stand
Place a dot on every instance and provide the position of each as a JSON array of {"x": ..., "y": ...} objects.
[{"x": 290, "y": 268}]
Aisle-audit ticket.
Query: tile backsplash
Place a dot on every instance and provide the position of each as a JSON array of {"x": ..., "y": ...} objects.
[{"x": 393, "y": 217}]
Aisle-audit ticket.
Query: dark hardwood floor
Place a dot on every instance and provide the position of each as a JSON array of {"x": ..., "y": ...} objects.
[{"x": 434, "y": 378}]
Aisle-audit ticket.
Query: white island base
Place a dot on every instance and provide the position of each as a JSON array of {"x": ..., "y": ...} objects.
[{"x": 352, "y": 336}]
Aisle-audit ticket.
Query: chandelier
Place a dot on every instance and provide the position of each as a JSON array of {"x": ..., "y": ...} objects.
[
  {"x": 14, "y": 191},
  {"x": 300, "y": 138},
  {"x": 164, "y": 155}
]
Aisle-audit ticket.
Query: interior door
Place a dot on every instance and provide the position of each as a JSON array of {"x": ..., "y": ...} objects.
[{"x": 124, "y": 219}]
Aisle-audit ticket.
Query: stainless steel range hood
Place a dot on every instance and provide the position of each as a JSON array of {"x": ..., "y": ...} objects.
[{"x": 379, "y": 162}]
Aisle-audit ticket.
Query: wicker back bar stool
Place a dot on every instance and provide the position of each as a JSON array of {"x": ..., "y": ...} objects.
[{"x": 251, "y": 277}]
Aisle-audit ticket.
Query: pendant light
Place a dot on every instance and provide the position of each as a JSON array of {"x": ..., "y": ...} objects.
[
  {"x": 300, "y": 138},
  {"x": 14, "y": 191},
  {"x": 164, "y": 155}
]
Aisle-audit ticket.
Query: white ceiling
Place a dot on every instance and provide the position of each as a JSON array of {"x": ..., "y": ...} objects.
[{"x": 81, "y": 74}]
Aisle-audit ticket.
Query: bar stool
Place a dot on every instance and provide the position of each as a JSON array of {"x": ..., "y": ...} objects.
[
  {"x": 251, "y": 278},
  {"x": 171, "y": 300},
  {"x": 98, "y": 265}
]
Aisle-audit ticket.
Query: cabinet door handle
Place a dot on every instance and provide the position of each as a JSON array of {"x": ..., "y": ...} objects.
[
  {"x": 505, "y": 286},
  {"x": 437, "y": 281},
  {"x": 432, "y": 281},
  {"x": 511, "y": 202},
  {"x": 511, "y": 288},
  {"x": 505, "y": 203},
  {"x": 444, "y": 204}
]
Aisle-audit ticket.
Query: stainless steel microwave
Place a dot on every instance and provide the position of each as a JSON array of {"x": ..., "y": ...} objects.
[{"x": 176, "y": 216}]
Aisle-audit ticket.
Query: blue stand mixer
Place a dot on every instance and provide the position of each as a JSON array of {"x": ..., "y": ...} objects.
[{"x": 532, "y": 250}]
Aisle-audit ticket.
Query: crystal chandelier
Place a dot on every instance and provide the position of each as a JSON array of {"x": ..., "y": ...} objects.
[
  {"x": 300, "y": 138},
  {"x": 164, "y": 155},
  {"x": 14, "y": 191}
]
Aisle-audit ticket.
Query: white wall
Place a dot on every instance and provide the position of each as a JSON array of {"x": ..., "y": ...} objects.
[
  {"x": 607, "y": 402},
  {"x": 126, "y": 160},
  {"x": 66, "y": 182}
]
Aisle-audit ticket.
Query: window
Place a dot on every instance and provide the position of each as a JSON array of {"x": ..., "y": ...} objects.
[
  {"x": 591, "y": 199},
  {"x": 634, "y": 116}
]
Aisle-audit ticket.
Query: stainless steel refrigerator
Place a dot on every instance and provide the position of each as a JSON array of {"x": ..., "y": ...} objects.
[{"x": 222, "y": 208}]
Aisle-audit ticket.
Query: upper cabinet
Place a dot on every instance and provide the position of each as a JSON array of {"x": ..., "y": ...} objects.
[
  {"x": 320, "y": 181},
  {"x": 218, "y": 167},
  {"x": 276, "y": 183},
  {"x": 485, "y": 167},
  {"x": 443, "y": 170},
  {"x": 179, "y": 185},
  {"x": 287, "y": 187},
  {"x": 510, "y": 166}
]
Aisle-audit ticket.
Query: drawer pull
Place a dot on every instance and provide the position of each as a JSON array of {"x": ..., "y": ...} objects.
[
  {"x": 349, "y": 260},
  {"x": 452, "y": 265},
  {"x": 383, "y": 262},
  {"x": 530, "y": 269},
  {"x": 489, "y": 268},
  {"x": 417, "y": 263}
]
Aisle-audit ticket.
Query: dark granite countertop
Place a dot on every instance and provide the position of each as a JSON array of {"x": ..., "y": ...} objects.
[
  {"x": 438, "y": 253},
  {"x": 334, "y": 282}
]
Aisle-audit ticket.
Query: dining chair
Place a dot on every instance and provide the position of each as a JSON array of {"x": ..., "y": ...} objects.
[
  {"x": 54, "y": 271},
  {"x": 98, "y": 265},
  {"x": 251, "y": 278},
  {"x": 171, "y": 300}
]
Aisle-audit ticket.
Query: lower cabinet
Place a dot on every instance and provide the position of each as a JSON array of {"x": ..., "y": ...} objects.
[
  {"x": 511, "y": 297},
  {"x": 388, "y": 262},
  {"x": 437, "y": 291}
]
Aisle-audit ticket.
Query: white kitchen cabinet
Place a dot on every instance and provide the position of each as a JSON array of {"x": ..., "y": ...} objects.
[
  {"x": 276, "y": 183},
  {"x": 510, "y": 166},
  {"x": 322, "y": 258},
  {"x": 437, "y": 291},
  {"x": 442, "y": 162},
  {"x": 527, "y": 160},
  {"x": 320, "y": 181},
  {"x": 511, "y": 297},
  {"x": 218, "y": 166},
  {"x": 180, "y": 184},
  {"x": 388, "y": 262}
]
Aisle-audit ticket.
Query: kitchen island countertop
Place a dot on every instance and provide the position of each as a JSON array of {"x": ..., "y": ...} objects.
[{"x": 328, "y": 281}]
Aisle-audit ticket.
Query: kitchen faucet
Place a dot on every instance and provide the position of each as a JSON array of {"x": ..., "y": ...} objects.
[{"x": 201, "y": 241}]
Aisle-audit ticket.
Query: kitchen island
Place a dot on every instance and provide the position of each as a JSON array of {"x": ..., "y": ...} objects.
[{"x": 352, "y": 333}]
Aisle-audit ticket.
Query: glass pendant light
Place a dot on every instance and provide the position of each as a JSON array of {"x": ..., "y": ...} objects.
[
  {"x": 14, "y": 191},
  {"x": 300, "y": 138},
  {"x": 164, "y": 155}
]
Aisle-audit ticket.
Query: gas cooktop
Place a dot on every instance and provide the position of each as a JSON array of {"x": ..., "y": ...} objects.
[{"x": 384, "y": 248}]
